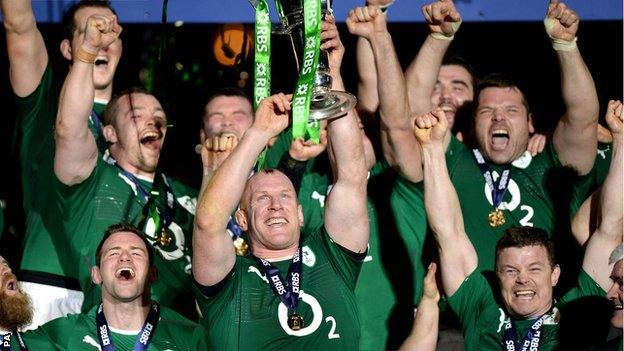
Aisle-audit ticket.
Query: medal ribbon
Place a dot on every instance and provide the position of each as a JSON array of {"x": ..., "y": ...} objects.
[
  {"x": 305, "y": 84},
  {"x": 531, "y": 340},
  {"x": 262, "y": 63},
  {"x": 499, "y": 188},
  {"x": 142, "y": 339},
  {"x": 97, "y": 123},
  {"x": 158, "y": 204},
  {"x": 6, "y": 341},
  {"x": 288, "y": 294}
]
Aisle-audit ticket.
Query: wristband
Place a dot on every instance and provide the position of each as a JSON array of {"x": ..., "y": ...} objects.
[
  {"x": 440, "y": 36},
  {"x": 563, "y": 45},
  {"x": 85, "y": 56}
]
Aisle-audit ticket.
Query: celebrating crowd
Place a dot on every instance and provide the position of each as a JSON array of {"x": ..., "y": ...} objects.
[{"x": 430, "y": 216}]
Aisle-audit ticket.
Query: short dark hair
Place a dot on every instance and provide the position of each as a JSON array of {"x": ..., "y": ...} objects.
[
  {"x": 68, "y": 22},
  {"x": 127, "y": 228},
  {"x": 226, "y": 91},
  {"x": 112, "y": 106},
  {"x": 457, "y": 60},
  {"x": 526, "y": 236},
  {"x": 500, "y": 80}
]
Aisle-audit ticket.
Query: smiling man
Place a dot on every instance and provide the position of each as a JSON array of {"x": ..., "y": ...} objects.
[
  {"x": 94, "y": 193},
  {"x": 126, "y": 318},
  {"x": 295, "y": 291},
  {"x": 526, "y": 314},
  {"x": 46, "y": 273}
]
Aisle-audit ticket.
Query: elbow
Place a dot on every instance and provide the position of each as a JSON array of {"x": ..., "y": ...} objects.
[{"x": 19, "y": 24}]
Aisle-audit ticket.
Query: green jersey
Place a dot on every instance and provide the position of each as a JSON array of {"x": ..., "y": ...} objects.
[
  {"x": 540, "y": 191},
  {"x": 80, "y": 332},
  {"x": 483, "y": 318},
  {"x": 387, "y": 322},
  {"x": 244, "y": 314},
  {"x": 109, "y": 196},
  {"x": 44, "y": 246}
]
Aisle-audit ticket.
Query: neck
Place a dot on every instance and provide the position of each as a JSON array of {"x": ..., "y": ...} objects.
[
  {"x": 105, "y": 93},
  {"x": 126, "y": 315},
  {"x": 128, "y": 167},
  {"x": 268, "y": 254}
]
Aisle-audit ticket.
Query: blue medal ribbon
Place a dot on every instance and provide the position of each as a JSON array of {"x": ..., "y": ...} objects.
[
  {"x": 6, "y": 341},
  {"x": 531, "y": 339},
  {"x": 142, "y": 339},
  {"x": 499, "y": 188},
  {"x": 287, "y": 293}
]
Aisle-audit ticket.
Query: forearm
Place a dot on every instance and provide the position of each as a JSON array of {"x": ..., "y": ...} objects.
[
  {"x": 368, "y": 99},
  {"x": 76, "y": 102},
  {"x": 222, "y": 194},
  {"x": 25, "y": 46},
  {"x": 422, "y": 74},
  {"x": 393, "y": 102},
  {"x": 578, "y": 89},
  {"x": 424, "y": 335},
  {"x": 441, "y": 202},
  {"x": 611, "y": 208}
]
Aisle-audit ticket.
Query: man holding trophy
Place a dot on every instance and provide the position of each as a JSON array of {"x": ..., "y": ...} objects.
[{"x": 295, "y": 290}]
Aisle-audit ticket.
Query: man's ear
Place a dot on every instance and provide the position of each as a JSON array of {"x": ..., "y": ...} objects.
[
  {"x": 241, "y": 219},
  {"x": 531, "y": 127},
  {"x": 300, "y": 215},
  {"x": 96, "y": 277},
  {"x": 66, "y": 49},
  {"x": 110, "y": 134},
  {"x": 554, "y": 276}
]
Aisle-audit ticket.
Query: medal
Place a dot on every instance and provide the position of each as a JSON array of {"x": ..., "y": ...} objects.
[
  {"x": 163, "y": 239},
  {"x": 496, "y": 218},
  {"x": 241, "y": 246},
  {"x": 295, "y": 321}
]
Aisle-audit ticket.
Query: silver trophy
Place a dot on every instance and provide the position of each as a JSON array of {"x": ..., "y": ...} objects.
[{"x": 325, "y": 102}]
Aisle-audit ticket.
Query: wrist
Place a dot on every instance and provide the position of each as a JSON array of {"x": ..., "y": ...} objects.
[
  {"x": 85, "y": 54},
  {"x": 563, "y": 45}
]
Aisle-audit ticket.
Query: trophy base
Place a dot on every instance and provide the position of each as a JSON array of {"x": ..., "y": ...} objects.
[{"x": 331, "y": 104}]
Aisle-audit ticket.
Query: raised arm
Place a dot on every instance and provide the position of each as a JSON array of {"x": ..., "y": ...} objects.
[
  {"x": 422, "y": 74},
  {"x": 213, "y": 252},
  {"x": 608, "y": 235},
  {"x": 347, "y": 200},
  {"x": 458, "y": 257},
  {"x": 399, "y": 144},
  {"x": 28, "y": 56},
  {"x": 76, "y": 149},
  {"x": 424, "y": 335},
  {"x": 575, "y": 137}
]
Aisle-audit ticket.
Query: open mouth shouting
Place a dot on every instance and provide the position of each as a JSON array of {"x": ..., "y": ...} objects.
[
  {"x": 125, "y": 274},
  {"x": 11, "y": 287},
  {"x": 499, "y": 139},
  {"x": 151, "y": 138},
  {"x": 101, "y": 62}
]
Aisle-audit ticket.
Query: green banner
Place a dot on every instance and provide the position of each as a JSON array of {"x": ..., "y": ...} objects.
[
  {"x": 305, "y": 84},
  {"x": 262, "y": 62}
]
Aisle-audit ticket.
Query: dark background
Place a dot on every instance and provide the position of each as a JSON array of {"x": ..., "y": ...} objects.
[{"x": 188, "y": 72}]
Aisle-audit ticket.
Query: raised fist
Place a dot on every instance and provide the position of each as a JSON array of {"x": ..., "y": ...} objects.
[
  {"x": 302, "y": 150},
  {"x": 215, "y": 150},
  {"x": 364, "y": 21},
  {"x": 614, "y": 119},
  {"x": 100, "y": 31},
  {"x": 442, "y": 17},
  {"x": 561, "y": 22},
  {"x": 272, "y": 115},
  {"x": 431, "y": 127}
]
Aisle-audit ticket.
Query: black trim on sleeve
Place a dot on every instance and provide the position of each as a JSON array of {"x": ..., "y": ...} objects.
[
  {"x": 357, "y": 256},
  {"x": 293, "y": 169}
]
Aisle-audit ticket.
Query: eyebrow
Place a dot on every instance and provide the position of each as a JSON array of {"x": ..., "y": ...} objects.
[
  {"x": 119, "y": 248},
  {"x": 460, "y": 82}
]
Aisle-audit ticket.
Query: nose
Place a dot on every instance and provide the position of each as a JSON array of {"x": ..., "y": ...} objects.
[
  {"x": 522, "y": 277},
  {"x": 276, "y": 203},
  {"x": 498, "y": 114},
  {"x": 612, "y": 294},
  {"x": 124, "y": 256}
]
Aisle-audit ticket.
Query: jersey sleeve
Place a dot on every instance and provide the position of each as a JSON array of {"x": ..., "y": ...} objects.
[
  {"x": 54, "y": 335},
  {"x": 472, "y": 297},
  {"x": 346, "y": 263},
  {"x": 586, "y": 286}
]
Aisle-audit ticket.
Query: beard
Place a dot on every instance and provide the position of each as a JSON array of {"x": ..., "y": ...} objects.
[{"x": 15, "y": 311}]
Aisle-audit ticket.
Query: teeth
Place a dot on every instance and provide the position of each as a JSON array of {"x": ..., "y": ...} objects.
[
  {"x": 447, "y": 108},
  {"x": 524, "y": 293},
  {"x": 500, "y": 132},
  {"x": 618, "y": 307},
  {"x": 276, "y": 221}
]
